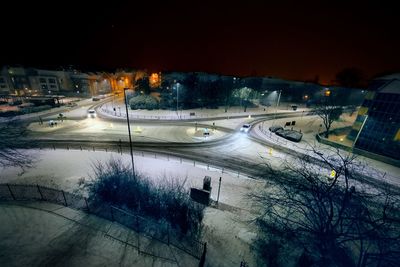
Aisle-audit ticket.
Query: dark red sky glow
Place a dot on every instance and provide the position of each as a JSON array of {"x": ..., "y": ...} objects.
[{"x": 289, "y": 39}]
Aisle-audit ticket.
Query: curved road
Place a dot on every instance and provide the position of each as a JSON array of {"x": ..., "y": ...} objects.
[{"x": 227, "y": 147}]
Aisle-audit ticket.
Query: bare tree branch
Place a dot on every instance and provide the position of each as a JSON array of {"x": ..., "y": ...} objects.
[{"x": 333, "y": 218}]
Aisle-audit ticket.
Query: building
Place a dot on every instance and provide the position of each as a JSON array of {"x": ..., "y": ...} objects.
[
  {"x": 21, "y": 81},
  {"x": 49, "y": 81},
  {"x": 15, "y": 80},
  {"x": 5, "y": 86},
  {"x": 377, "y": 127}
]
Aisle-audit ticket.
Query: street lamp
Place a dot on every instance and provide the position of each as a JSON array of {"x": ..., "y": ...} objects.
[
  {"x": 262, "y": 98},
  {"x": 129, "y": 131},
  {"x": 277, "y": 104},
  {"x": 177, "y": 98}
]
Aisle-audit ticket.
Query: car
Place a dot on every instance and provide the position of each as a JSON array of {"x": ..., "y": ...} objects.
[
  {"x": 52, "y": 123},
  {"x": 96, "y": 99},
  {"x": 275, "y": 128},
  {"x": 290, "y": 135},
  {"x": 91, "y": 113},
  {"x": 245, "y": 128}
]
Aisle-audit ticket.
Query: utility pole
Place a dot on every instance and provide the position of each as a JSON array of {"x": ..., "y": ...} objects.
[{"x": 129, "y": 131}]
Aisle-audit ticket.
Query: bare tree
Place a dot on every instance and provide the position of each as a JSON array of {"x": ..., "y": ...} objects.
[
  {"x": 325, "y": 209},
  {"x": 12, "y": 142},
  {"x": 328, "y": 112}
]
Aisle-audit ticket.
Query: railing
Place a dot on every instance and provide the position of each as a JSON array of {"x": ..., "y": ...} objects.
[
  {"x": 119, "y": 147},
  {"x": 121, "y": 113},
  {"x": 145, "y": 226}
]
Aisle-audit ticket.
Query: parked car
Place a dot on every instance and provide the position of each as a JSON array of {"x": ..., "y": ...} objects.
[
  {"x": 290, "y": 135},
  {"x": 275, "y": 128}
]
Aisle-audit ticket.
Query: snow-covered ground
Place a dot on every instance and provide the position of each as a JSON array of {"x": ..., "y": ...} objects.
[
  {"x": 107, "y": 109},
  {"x": 44, "y": 234},
  {"x": 229, "y": 231},
  {"x": 310, "y": 126},
  {"x": 106, "y": 130},
  {"x": 82, "y": 104}
]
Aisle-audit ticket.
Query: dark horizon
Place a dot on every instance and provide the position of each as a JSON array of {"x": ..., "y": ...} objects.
[{"x": 293, "y": 41}]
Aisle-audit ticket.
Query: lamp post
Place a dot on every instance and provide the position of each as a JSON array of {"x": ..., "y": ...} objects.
[
  {"x": 177, "y": 99},
  {"x": 129, "y": 131},
  {"x": 277, "y": 104},
  {"x": 261, "y": 97}
]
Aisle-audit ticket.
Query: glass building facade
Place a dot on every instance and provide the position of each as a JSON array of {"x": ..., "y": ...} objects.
[{"x": 377, "y": 127}]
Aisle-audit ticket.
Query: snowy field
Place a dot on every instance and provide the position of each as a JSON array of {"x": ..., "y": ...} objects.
[
  {"x": 309, "y": 126},
  {"x": 228, "y": 230},
  {"x": 45, "y": 234}
]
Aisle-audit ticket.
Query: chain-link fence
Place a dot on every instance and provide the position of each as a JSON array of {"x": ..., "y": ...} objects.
[{"x": 143, "y": 226}]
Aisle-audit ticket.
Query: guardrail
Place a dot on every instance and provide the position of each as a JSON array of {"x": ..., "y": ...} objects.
[
  {"x": 122, "y": 147},
  {"x": 121, "y": 113}
]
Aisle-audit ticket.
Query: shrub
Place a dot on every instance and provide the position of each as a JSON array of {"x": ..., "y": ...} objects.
[
  {"x": 114, "y": 183},
  {"x": 143, "y": 102}
]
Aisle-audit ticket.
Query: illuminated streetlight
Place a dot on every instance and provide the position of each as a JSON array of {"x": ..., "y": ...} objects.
[
  {"x": 277, "y": 104},
  {"x": 177, "y": 98}
]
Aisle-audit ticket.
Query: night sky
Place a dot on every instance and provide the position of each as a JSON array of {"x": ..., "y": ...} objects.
[{"x": 288, "y": 39}]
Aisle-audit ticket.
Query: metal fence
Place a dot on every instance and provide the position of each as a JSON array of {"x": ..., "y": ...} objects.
[
  {"x": 121, "y": 147},
  {"x": 143, "y": 226},
  {"x": 178, "y": 116}
]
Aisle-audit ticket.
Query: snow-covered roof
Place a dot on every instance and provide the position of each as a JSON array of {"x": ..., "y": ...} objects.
[
  {"x": 389, "y": 84},
  {"x": 391, "y": 87},
  {"x": 392, "y": 76}
]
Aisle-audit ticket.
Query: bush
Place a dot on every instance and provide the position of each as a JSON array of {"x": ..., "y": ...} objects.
[
  {"x": 143, "y": 102},
  {"x": 169, "y": 201}
]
